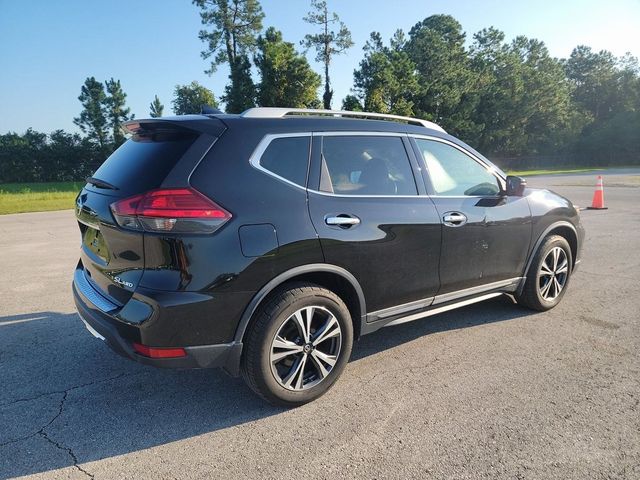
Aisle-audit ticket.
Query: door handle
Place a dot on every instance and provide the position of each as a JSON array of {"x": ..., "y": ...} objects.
[
  {"x": 454, "y": 219},
  {"x": 343, "y": 221}
]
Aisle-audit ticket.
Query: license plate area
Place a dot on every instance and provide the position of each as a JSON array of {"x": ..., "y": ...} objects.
[{"x": 94, "y": 241}]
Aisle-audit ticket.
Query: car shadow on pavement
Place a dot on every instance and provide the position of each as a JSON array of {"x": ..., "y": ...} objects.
[{"x": 68, "y": 400}]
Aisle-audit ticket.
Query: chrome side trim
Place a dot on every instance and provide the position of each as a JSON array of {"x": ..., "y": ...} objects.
[
  {"x": 442, "y": 309},
  {"x": 447, "y": 297},
  {"x": 399, "y": 309}
]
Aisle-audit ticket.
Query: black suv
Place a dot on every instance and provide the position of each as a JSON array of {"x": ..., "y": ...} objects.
[{"x": 267, "y": 242}]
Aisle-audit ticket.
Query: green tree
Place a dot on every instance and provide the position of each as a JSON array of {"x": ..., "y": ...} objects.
[
  {"x": 521, "y": 97},
  {"x": 37, "y": 157},
  {"x": 436, "y": 46},
  {"x": 352, "y": 103},
  {"x": 603, "y": 84},
  {"x": 93, "y": 117},
  {"x": 386, "y": 81},
  {"x": 191, "y": 98},
  {"x": 232, "y": 28},
  {"x": 117, "y": 112},
  {"x": 156, "y": 108},
  {"x": 240, "y": 93},
  {"x": 328, "y": 42},
  {"x": 545, "y": 106},
  {"x": 286, "y": 79}
]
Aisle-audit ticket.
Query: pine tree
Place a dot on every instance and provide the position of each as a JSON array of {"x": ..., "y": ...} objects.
[
  {"x": 117, "y": 112},
  {"x": 287, "y": 80},
  {"x": 93, "y": 117},
  {"x": 386, "y": 81},
  {"x": 231, "y": 37},
  {"x": 328, "y": 42},
  {"x": 240, "y": 93},
  {"x": 156, "y": 108}
]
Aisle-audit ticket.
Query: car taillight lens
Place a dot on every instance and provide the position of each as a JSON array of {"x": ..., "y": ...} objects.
[{"x": 180, "y": 210}]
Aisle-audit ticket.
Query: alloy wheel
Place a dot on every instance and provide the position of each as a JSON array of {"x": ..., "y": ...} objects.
[
  {"x": 305, "y": 348},
  {"x": 553, "y": 274}
]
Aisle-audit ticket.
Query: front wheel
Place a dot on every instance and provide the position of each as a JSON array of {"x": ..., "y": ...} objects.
[
  {"x": 298, "y": 345},
  {"x": 548, "y": 275}
]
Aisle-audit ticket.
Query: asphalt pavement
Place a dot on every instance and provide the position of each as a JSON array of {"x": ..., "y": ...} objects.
[{"x": 488, "y": 391}]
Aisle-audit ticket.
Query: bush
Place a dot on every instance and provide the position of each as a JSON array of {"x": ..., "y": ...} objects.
[{"x": 38, "y": 157}]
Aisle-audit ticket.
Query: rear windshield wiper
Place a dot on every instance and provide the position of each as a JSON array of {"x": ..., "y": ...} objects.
[{"x": 101, "y": 183}]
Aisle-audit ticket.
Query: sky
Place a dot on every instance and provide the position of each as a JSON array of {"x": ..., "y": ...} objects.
[{"x": 48, "y": 48}]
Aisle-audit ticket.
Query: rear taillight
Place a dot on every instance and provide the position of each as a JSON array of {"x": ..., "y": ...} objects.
[{"x": 179, "y": 210}]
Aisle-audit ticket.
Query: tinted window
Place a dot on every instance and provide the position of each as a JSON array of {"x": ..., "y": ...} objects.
[
  {"x": 453, "y": 172},
  {"x": 142, "y": 163},
  {"x": 288, "y": 158},
  {"x": 366, "y": 165}
]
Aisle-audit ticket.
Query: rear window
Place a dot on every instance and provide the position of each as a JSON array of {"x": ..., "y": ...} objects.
[
  {"x": 143, "y": 162},
  {"x": 288, "y": 157}
]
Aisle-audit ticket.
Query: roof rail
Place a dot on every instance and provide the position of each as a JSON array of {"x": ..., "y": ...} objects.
[{"x": 277, "y": 112}]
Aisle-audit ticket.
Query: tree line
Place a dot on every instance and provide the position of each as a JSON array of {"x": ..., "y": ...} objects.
[{"x": 509, "y": 99}]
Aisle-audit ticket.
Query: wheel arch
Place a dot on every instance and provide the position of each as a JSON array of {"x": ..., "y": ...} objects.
[
  {"x": 332, "y": 277},
  {"x": 563, "y": 228}
]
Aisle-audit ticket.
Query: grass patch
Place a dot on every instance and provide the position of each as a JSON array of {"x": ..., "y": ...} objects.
[{"x": 38, "y": 197}]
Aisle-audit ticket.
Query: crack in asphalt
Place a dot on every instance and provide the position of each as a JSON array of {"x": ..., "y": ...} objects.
[
  {"x": 45, "y": 435},
  {"x": 75, "y": 387},
  {"x": 42, "y": 433},
  {"x": 68, "y": 450}
]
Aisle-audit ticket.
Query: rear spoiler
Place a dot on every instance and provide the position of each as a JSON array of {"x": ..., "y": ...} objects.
[{"x": 183, "y": 123}]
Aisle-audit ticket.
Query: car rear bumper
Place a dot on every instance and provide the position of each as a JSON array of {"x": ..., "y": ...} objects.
[{"x": 120, "y": 336}]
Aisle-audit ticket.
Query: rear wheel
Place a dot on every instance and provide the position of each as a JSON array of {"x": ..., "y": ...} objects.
[
  {"x": 298, "y": 345},
  {"x": 548, "y": 275}
]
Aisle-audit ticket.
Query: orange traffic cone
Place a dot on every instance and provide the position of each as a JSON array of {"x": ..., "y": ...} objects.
[{"x": 598, "y": 196}]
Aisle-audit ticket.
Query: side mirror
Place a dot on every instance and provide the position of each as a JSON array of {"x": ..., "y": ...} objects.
[{"x": 515, "y": 186}]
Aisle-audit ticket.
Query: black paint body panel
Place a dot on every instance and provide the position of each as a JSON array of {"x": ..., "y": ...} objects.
[{"x": 201, "y": 288}]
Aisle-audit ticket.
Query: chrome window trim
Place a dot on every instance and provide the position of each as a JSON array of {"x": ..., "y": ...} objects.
[
  {"x": 340, "y": 195},
  {"x": 256, "y": 156}
]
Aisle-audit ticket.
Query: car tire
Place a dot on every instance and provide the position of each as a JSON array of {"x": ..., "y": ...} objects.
[
  {"x": 298, "y": 345},
  {"x": 548, "y": 276}
]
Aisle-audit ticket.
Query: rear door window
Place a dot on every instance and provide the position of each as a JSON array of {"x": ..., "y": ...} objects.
[
  {"x": 144, "y": 161},
  {"x": 366, "y": 165},
  {"x": 288, "y": 158}
]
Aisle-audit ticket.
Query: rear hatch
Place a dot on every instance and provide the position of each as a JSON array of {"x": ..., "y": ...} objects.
[{"x": 112, "y": 256}]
